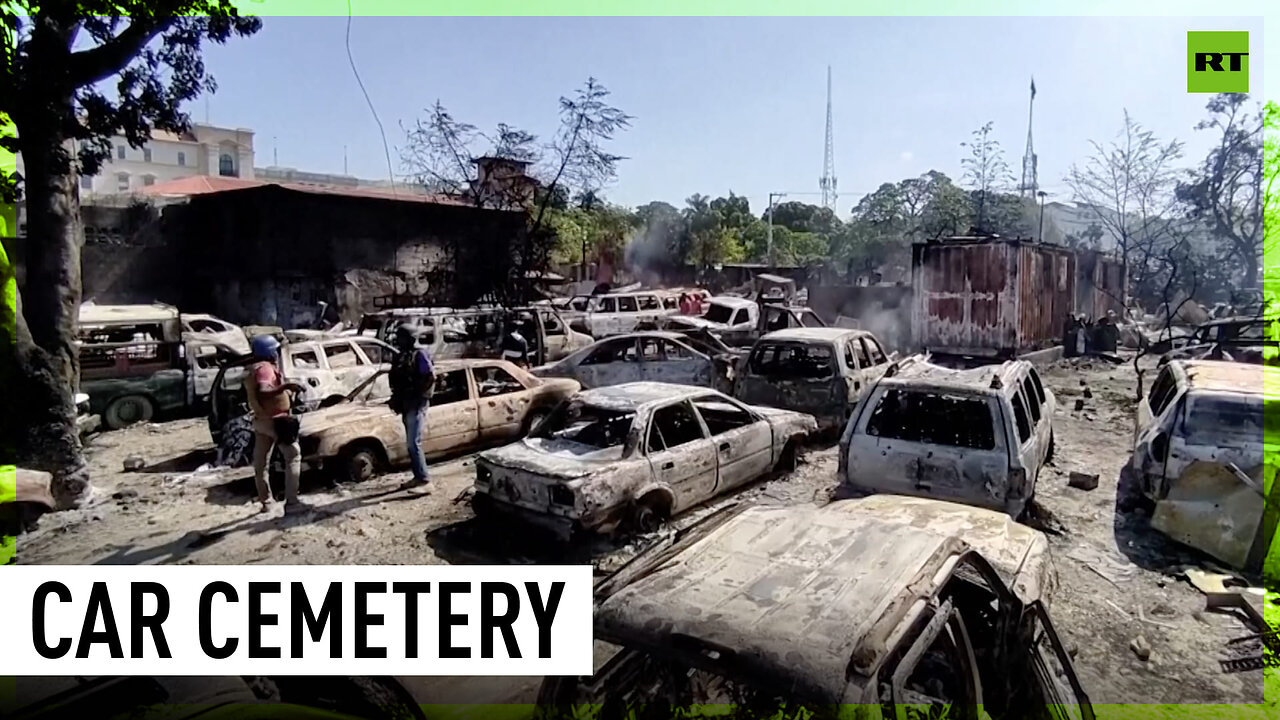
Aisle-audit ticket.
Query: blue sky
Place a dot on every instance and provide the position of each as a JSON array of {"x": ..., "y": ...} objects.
[{"x": 724, "y": 104}]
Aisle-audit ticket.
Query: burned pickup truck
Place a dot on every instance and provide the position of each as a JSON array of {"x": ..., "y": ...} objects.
[
  {"x": 631, "y": 456},
  {"x": 1199, "y": 455},
  {"x": 824, "y": 612}
]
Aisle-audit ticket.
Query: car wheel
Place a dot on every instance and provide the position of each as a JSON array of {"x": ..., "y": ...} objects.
[
  {"x": 650, "y": 514},
  {"x": 360, "y": 464},
  {"x": 128, "y": 410},
  {"x": 1048, "y": 456},
  {"x": 1129, "y": 495}
]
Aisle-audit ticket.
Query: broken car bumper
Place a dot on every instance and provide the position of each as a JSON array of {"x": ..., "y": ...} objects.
[{"x": 563, "y": 527}]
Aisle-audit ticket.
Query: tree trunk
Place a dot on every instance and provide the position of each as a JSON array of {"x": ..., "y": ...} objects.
[
  {"x": 1250, "y": 270},
  {"x": 47, "y": 355}
]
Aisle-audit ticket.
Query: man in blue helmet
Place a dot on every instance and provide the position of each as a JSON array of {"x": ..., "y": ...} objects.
[
  {"x": 273, "y": 424},
  {"x": 413, "y": 378}
]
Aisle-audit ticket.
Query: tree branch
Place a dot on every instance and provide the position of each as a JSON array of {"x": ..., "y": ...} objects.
[{"x": 91, "y": 66}]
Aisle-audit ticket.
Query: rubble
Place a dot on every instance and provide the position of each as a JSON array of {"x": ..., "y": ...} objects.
[
  {"x": 1141, "y": 648},
  {"x": 134, "y": 463},
  {"x": 1083, "y": 481}
]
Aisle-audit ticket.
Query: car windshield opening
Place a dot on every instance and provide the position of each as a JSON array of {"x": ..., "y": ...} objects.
[
  {"x": 933, "y": 418},
  {"x": 587, "y": 425},
  {"x": 1226, "y": 422},
  {"x": 718, "y": 313},
  {"x": 791, "y": 361}
]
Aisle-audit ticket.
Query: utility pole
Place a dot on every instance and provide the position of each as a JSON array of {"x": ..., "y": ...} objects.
[
  {"x": 769, "y": 234},
  {"x": 1042, "y": 195}
]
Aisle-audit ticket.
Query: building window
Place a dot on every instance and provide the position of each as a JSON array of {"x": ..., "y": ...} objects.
[
  {"x": 227, "y": 165},
  {"x": 146, "y": 154},
  {"x": 182, "y": 158},
  {"x": 120, "y": 151},
  {"x": 122, "y": 181},
  {"x": 148, "y": 180},
  {"x": 86, "y": 182}
]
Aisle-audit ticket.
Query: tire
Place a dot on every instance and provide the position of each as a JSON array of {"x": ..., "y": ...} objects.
[
  {"x": 651, "y": 514},
  {"x": 1048, "y": 456},
  {"x": 360, "y": 464},
  {"x": 1129, "y": 495},
  {"x": 128, "y": 410}
]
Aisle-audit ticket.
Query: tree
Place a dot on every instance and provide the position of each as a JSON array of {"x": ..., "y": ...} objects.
[
  {"x": 1129, "y": 187},
  {"x": 1270, "y": 192},
  {"x": 58, "y": 56},
  {"x": 1227, "y": 191},
  {"x": 948, "y": 210},
  {"x": 711, "y": 241},
  {"x": 803, "y": 217},
  {"x": 574, "y": 163},
  {"x": 985, "y": 169}
]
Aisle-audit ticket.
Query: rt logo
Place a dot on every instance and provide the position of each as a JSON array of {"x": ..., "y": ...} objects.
[{"x": 1217, "y": 62}]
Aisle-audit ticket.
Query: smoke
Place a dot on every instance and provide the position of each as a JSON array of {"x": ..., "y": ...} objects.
[{"x": 650, "y": 248}]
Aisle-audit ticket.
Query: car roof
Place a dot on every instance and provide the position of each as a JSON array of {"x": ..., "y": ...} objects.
[
  {"x": 458, "y": 364},
  {"x": 975, "y": 380},
  {"x": 93, "y": 314},
  {"x": 1224, "y": 376},
  {"x": 732, "y": 301},
  {"x": 808, "y": 334},
  {"x": 807, "y": 595},
  {"x": 630, "y": 397}
]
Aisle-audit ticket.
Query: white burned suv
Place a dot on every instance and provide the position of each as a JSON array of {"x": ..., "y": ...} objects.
[
  {"x": 634, "y": 455},
  {"x": 978, "y": 437}
]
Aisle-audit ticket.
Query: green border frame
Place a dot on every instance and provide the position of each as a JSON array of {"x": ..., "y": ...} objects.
[{"x": 1270, "y": 708}]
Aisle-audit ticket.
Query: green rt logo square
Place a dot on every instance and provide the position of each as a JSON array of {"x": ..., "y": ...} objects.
[{"x": 1217, "y": 62}]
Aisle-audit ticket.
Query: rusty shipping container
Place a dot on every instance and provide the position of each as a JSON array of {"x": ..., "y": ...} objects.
[
  {"x": 1100, "y": 281},
  {"x": 991, "y": 297}
]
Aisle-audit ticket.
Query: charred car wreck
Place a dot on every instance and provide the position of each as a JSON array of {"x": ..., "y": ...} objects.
[
  {"x": 1198, "y": 461},
  {"x": 635, "y": 454},
  {"x": 827, "y": 611}
]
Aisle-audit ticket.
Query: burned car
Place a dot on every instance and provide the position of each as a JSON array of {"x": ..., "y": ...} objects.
[
  {"x": 1198, "y": 460},
  {"x": 475, "y": 403},
  {"x": 979, "y": 436},
  {"x": 820, "y": 371},
  {"x": 648, "y": 356},
  {"x": 635, "y": 455},
  {"x": 821, "y": 612},
  {"x": 724, "y": 313},
  {"x": 1239, "y": 339}
]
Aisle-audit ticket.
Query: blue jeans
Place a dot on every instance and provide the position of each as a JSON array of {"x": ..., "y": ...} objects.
[{"x": 415, "y": 423}]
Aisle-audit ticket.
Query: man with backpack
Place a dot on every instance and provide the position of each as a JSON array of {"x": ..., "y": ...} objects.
[{"x": 412, "y": 380}]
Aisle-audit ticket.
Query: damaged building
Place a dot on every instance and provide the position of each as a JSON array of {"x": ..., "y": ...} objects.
[{"x": 256, "y": 252}]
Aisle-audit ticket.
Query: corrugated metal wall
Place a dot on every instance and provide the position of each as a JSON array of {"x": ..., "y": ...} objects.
[{"x": 998, "y": 297}]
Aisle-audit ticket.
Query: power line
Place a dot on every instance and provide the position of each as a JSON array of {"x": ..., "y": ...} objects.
[{"x": 385, "y": 148}]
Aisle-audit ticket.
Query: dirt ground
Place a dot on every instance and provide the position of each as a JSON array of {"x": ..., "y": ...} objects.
[{"x": 1111, "y": 568}]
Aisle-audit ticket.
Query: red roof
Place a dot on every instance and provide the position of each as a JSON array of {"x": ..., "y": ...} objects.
[{"x": 204, "y": 185}]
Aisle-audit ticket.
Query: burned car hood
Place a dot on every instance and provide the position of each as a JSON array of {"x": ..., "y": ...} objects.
[
  {"x": 318, "y": 421},
  {"x": 692, "y": 321},
  {"x": 563, "y": 459},
  {"x": 779, "y": 417}
]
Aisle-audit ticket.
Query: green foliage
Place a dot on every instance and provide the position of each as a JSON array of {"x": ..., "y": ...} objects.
[
  {"x": 1270, "y": 191},
  {"x": 152, "y": 51}
]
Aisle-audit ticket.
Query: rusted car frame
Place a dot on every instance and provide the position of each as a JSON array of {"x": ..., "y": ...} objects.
[
  {"x": 979, "y": 437},
  {"x": 842, "y": 614},
  {"x": 820, "y": 371},
  {"x": 630, "y": 456},
  {"x": 647, "y": 356},
  {"x": 475, "y": 403},
  {"x": 1199, "y": 458}
]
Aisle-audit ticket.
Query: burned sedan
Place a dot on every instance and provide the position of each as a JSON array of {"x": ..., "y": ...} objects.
[
  {"x": 647, "y": 357},
  {"x": 1198, "y": 460},
  {"x": 820, "y": 371},
  {"x": 978, "y": 437},
  {"x": 475, "y": 403},
  {"x": 823, "y": 612},
  {"x": 635, "y": 455}
]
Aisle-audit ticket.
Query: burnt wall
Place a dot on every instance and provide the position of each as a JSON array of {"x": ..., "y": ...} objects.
[
  {"x": 270, "y": 255},
  {"x": 885, "y": 310}
]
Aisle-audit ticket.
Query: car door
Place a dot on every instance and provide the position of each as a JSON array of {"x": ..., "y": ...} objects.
[
  {"x": 602, "y": 318},
  {"x": 939, "y": 668},
  {"x": 607, "y": 364},
  {"x": 742, "y": 438},
  {"x": 379, "y": 355},
  {"x": 1028, "y": 450},
  {"x": 1051, "y": 678},
  {"x": 663, "y": 360},
  {"x": 348, "y": 365},
  {"x": 1151, "y": 406},
  {"x": 681, "y": 455},
  {"x": 554, "y": 337},
  {"x": 305, "y": 364},
  {"x": 878, "y": 359},
  {"x": 453, "y": 415},
  {"x": 1039, "y": 421},
  {"x": 503, "y": 399},
  {"x": 628, "y": 315}
]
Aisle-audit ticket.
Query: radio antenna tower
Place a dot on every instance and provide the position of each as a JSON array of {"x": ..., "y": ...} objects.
[
  {"x": 828, "y": 180},
  {"x": 1030, "y": 183}
]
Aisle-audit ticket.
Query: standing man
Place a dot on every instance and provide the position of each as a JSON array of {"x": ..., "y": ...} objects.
[
  {"x": 273, "y": 424},
  {"x": 413, "y": 376}
]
